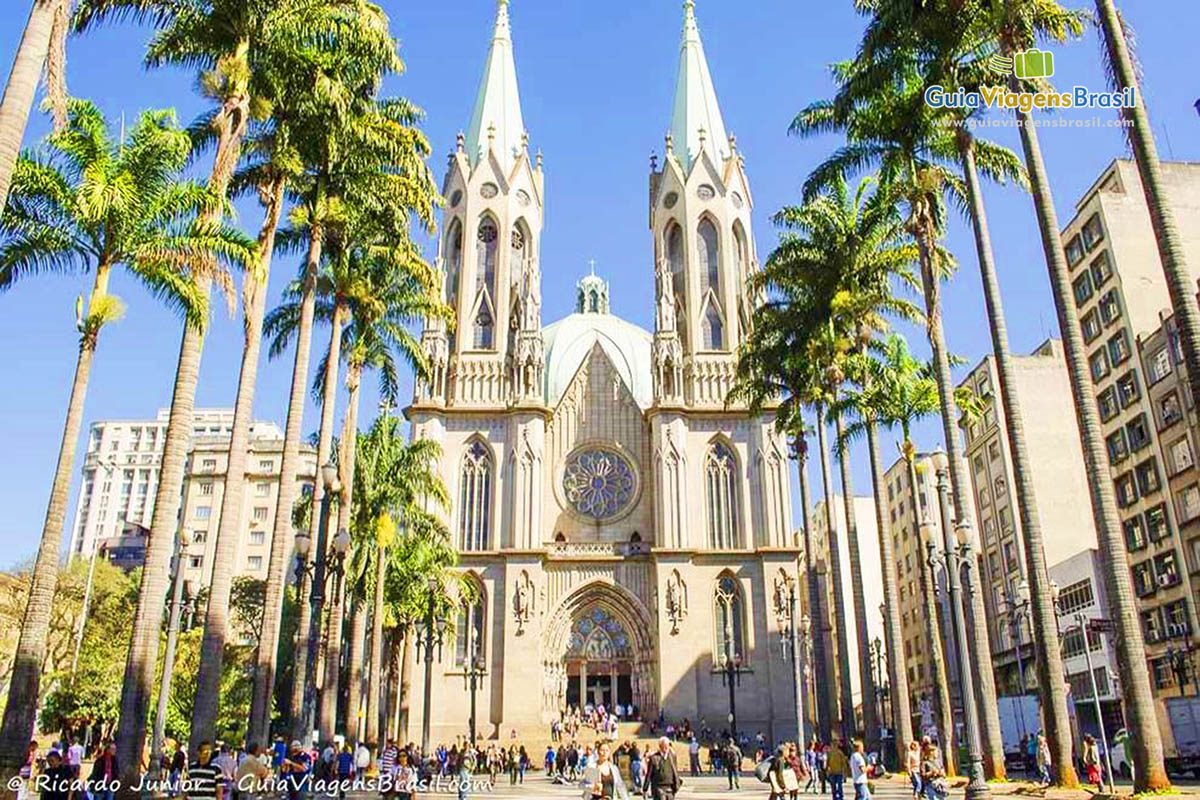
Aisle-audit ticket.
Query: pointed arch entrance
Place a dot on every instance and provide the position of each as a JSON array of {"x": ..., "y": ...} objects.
[{"x": 599, "y": 649}]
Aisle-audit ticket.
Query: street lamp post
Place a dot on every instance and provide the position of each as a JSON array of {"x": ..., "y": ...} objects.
[
  {"x": 957, "y": 558},
  {"x": 881, "y": 689},
  {"x": 473, "y": 671},
  {"x": 793, "y": 647},
  {"x": 109, "y": 466},
  {"x": 435, "y": 626},
  {"x": 303, "y": 725},
  {"x": 731, "y": 676},
  {"x": 164, "y": 690},
  {"x": 1019, "y": 608}
]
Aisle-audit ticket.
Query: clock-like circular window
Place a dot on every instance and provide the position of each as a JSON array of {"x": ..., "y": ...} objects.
[{"x": 598, "y": 483}]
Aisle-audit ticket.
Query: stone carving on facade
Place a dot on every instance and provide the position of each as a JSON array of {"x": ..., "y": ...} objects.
[
  {"x": 667, "y": 351},
  {"x": 675, "y": 595},
  {"x": 523, "y": 601},
  {"x": 782, "y": 595}
]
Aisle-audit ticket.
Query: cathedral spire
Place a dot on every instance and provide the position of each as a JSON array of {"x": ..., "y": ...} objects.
[
  {"x": 696, "y": 123},
  {"x": 496, "y": 120}
]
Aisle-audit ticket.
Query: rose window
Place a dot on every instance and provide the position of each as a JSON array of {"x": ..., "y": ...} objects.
[{"x": 598, "y": 483}]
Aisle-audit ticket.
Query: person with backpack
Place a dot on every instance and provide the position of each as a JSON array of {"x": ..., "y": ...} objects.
[
  {"x": 859, "y": 772},
  {"x": 837, "y": 767}
]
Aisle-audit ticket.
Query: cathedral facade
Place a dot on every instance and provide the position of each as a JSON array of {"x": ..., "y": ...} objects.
[{"x": 626, "y": 531}]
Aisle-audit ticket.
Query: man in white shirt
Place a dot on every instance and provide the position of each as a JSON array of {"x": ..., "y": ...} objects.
[
  {"x": 694, "y": 756},
  {"x": 858, "y": 772},
  {"x": 75, "y": 757}
]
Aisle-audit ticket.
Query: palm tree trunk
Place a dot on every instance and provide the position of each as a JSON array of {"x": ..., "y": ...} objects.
[
  {"x": 943, "y": 711},
  {"x": 835, "y": 577},
  {"x": 18, "y": 97},
  {"x": 865, "y": 676},
  {"x": 354, "y": 660},
  {"x": 981, "y": 655},
  {"x": 1047, "y": 648},
  {"x": 894, "y": 635},
  {"x": 404, "y": 703},
  {"x": 1140, "y": 718},
  {"x": 138, "y": 685},
  {"x": 281, "y": 537},
  {"x": 1180, "y": 284},
  {"x": 820, "y": 628},
  {"x": 20, "y": 713},
  {"x": 216, "y": 620},
  {"x": 375, "y": 675},
  {"x": 324, "y": 450},
  {"x": 329, "y": 694}
]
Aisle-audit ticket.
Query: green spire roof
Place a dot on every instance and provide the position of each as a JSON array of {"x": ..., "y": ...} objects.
[
  {"x": 696, "y": 123},
  {"x": 496, "y": 120}
]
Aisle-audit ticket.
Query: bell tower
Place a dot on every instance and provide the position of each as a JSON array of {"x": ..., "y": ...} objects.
[
  {"x": 488, "y": 251},
  {"x": 700, "y": 208}
]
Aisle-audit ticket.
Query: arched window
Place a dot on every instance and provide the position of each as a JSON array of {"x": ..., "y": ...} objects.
[
  {"x": 485, "y": 328},
  {"x": 453, "y": 251},
  {"x": 743, "y": 249},
  {"x": 675, "y": 249},
  {"x": 485, "y": 262},
  {"x": 709, "y": 257},
  {"x": 475, "y": 495},
  {"x": 720, "y": 495},
  {"x": 468, "y": 630},
  {"x": 730, "y": 623},
  {"x": 516, "y": 262},
  {"x": 714, "y": 328}
]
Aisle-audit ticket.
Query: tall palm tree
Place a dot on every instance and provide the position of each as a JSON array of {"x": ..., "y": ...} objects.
[
  {"x": 945, "y": 46},
  {"x": 370, "y": 160},
  {"x": 892, "y": 128},
  {"x": 270, "y": 157},
  {"x": 89, "y": 203},
  {"x": 42, "y": 46},
  {"x": 1011, "y": 27}
]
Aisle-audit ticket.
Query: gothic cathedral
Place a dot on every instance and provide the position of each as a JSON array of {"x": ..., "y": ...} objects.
[{"x": 627, "y": 532}]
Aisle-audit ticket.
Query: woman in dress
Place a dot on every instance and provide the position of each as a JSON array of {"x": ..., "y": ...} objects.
[{"x": 602, "y": 780}]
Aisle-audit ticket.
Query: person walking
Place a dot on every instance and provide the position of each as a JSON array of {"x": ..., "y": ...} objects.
[
  {"x": 858, "y": 772},
  {"x": 811, "y": 767},
  {"x": 837, "y": 767},
  {"x": 933, "y": 771},
  {"x": 251, "y": 774},
  {"x": 694, "y": 756},
  {"x": 602, "y": 780},
  {"x": 662, "y": 778},
  {"x": 1043, "y": 759},
  {"x": 636, "y": 771},
  {"x": 522, "y": 764},
  {"x": 912, "y": 765},
  {"x": 1091, "y": 762},
  {"x": 732, "y": 759},
  {"x": 295, "y": 769},
  {"x": 103, "y": 781},
  {"x": 204, "y": 775}
]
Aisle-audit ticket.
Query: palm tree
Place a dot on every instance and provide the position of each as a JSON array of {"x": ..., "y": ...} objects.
[
  {"x": 897, "y": 392},
  {"x": 267, "y": 175},
  {"x": 91, "y": 203},
  {"x": 370, "y": 160},
  {"x": 42, "y": 45}
]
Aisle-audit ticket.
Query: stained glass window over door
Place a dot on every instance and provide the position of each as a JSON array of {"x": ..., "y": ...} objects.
[{"x": 598, "y": 636}]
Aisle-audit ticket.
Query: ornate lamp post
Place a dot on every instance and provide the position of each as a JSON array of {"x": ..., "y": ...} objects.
[
  {"x": 316, "y": 571},
  {"x": 175, "y": 607},
  {"x": 958, "y": 559},
  {"x": 731, "y": 669},
  {"x": 473, "y": 671},
  {"x": 792, "y": 646},
  {"x": 435, "y": 628},
  {"x": 878, "y": 656},
  {"x": 1018, "y": 608}
]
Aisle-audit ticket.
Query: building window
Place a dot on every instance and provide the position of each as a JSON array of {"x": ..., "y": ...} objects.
[
  {"x": 1076, "y": 597},
  {"x": 484, "y": 329},
  {"x": 1098, "y": 364},
  {"x": 730, "y": 633},
  {"x": 994, "y": 451},
  {"x": 1143, "y": 578},
  {"x": 254, "y": 563},
  {"x": 1091, "y": 325},
  {"x": 203, "y": 512},
  {"x": 206, "y": 489},
  {"x": 1166, "y": 569},
  {"x": 195, "y": 562},
  {"x": 1118, "y": 348},
  {"x": 1147, "y": 476},
  {"x": 1169, "y": 410},
  {"x": 1180, "y": 452},
  {"x": 1108, "y": 405},
  {"x": 475, "y": 497},
  {"x": 708, "y": 256},
  {"x": 470, "y": 623},
  {"x": 1139, "y": 433},
  {"x": 721, "y": 497},
  {"x": 1083, "y": 288},
  {"x": 266, "y": 465},
  {"x": 260, "y": 513},
  {"x": 258, "y": 537},
  {"x": 1175, "y": 619},
  {"x": 1163, "y": 674},
  {"x": 1156, "y": 523},
  {"x": 1126, "y": 490},
  {"x": 1118, "y": 448},
  {"x": 1093, "y": 232},
  {"x": 208, "y": 465},
  {"x": 1074, "y": 251},
  {"x": 486, "y": 250},
  {"x": 1127, "y": 389},
  {"x": 1109, "y": 307},
  {"x": 1101, "y": 269},
  {"x": 1152, "y": 627},
  {"x": 1160, "y": 365},
  {"x": 714, "y": 328},
  {"x": 262, "y": 489},
  {"x": 1189, "y": 503},
  {"x": 1135, "y": 533}
]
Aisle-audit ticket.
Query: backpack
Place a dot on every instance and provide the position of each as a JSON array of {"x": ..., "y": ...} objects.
[{"x": 762, "y": 770}]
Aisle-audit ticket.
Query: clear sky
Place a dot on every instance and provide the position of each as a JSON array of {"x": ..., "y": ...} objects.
[{"x": 596, "y": 85}]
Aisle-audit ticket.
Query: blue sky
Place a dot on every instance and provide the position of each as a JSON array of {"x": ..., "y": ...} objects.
[{"x": 596, "y": 85}]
